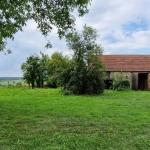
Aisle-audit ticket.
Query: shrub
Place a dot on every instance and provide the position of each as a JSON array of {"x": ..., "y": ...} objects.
[
  {"x": 83, "y": 82},
  {"x": 18, "y": 84},
  {"x": 66, "y": 92},
  {"x": 52, "y": 82},
  {"x": 120, "y": 83}
]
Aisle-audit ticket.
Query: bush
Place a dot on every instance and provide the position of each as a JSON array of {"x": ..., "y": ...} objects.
[
  {"x": 83, "y": 82},
  {"x": 66, "y": 92},
  {"x": 18, "y": 84},
  {"x": 120, "y": 83},
  {"x": 52, "y": 82}
]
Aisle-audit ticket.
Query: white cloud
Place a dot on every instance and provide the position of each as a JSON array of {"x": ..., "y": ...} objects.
[{"x": 123, "y": 26}]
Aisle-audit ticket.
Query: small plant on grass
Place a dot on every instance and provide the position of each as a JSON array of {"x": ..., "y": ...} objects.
[
  {"x": 10, "y": 85},
  {"x": 66, "y": 92},
  {"x": 19, "y": 84},
  {"x": 120, "y": 83}
]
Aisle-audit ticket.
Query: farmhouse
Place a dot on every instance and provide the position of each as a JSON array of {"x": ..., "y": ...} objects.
[{"x": 135, "y": 68}]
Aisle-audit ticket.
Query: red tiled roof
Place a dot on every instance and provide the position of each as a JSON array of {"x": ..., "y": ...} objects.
[{"x": 126, "y": 62}]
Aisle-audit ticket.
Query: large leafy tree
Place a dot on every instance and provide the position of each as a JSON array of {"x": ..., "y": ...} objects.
[
  {"x": 35, "y": 70},
  {"x": 46, "y": 13},
  {"x": 56, "y": 66},
  {"x": 29, "y": 69},
  {"x": 86, "y": 75}
]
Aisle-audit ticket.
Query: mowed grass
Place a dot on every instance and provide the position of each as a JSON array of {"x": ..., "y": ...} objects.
[{"x": 44, "y": 119}]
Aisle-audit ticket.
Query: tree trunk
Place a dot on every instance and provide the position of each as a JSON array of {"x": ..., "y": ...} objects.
[{"x": 32, "y": 84}]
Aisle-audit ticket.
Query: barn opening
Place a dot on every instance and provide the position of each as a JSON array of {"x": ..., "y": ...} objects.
[
  {"x": 142, "y": 81},
  {"x": 108, "y": 84}
]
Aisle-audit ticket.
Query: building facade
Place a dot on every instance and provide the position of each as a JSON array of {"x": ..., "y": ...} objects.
[{"x": 135, "y": 68}]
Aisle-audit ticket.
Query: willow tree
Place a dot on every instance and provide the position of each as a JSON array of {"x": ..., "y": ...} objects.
[
  {"x": 46, "y": 13},
  {"x": 86, "y": 75}
]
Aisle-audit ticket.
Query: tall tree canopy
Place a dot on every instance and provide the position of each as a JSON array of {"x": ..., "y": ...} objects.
[
  {"x": 46, "y": 13},
  {"x": 86, "y": 75}
]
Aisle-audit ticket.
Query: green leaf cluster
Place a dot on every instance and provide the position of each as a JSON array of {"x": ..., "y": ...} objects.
[
  {"x": 35, "y": 70},
  {"x": 46, "y": 13},
  {"x": 86, "y": 74},
  {"x": 42, "y": 69},
  {"x": 120, "y": 83},
  {"x": 56, "y": 66}
]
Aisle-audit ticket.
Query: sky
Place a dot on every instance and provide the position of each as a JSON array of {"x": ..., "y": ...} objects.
[{"x": 123, "y": 27}]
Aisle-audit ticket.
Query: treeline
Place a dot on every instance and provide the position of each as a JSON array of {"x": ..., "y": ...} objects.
[
  {"x": 10, "y": 78},
  {"x": 83, "y": 73}
]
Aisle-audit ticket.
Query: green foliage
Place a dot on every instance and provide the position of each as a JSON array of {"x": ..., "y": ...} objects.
[
  {"x": 46, "y": 13},
  {"x": 42, "y": 68},
  {"x": 10, "y": 85},
  {"x": 35, "y": 70},
  {"x": 83, "y": 81},
  {"x": 19, "y": 84},
  {"x": 82, "y": 74},
  {"x": 121, "y": 84},
  {"x": 30, "y": 69},
  {"x": 65, "y": 92},
  {"x": 85, "y": 74},
  {"x": 56, "y": 65},
  {"x": 52, "y": 82}
]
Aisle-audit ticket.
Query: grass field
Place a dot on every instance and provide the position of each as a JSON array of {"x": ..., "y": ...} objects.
[{"x": 44, "y": 119}]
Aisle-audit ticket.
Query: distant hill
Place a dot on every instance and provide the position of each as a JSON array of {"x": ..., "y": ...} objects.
[{"x": 10, "y": 78}]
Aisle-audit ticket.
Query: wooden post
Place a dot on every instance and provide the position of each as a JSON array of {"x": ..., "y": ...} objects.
[
  {"x": 134, "y": 81},
  {"x": 148, "y": 80}
]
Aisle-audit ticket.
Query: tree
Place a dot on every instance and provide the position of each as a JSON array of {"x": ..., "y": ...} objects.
[
  {"x": 44, "y": 67},
  {"x": 86, "y": 75},
  {"x": 46, "y": 13},
  {"x": 30, "y": 69},
  {"x": 56, "y": 65},
  {"x": 35, "y": 70}
]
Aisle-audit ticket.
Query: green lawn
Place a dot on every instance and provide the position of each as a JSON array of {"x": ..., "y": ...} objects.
[{"x": 44, "y": 119}]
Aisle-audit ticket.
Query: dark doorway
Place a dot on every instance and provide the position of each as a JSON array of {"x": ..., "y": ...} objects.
[
  {"x": 108, "y": 84},
  {"x": 134, "y": 81},
  {"x": 142, "y": 81}
]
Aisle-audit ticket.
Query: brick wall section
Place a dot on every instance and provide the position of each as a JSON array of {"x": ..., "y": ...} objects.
[{"x": 126, "y": 62}]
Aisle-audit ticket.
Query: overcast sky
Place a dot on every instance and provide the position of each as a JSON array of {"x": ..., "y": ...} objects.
[{"x": 123, "y": 26}]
